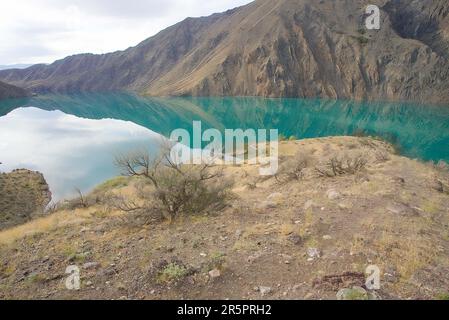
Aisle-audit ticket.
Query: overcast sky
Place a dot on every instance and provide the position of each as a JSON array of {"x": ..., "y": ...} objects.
[{"x": 41, "y": 31}]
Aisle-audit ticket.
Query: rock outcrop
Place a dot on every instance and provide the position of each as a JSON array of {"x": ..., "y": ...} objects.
[{"x": 23, "y": 194}]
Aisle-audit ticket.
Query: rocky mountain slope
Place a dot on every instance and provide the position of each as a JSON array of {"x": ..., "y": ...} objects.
[
  {"x": 300, "y": 235},
  {"x": 8, "y": 91},
  {"x": 23, "y": 195},
  {"x": 283, "y": 48}
]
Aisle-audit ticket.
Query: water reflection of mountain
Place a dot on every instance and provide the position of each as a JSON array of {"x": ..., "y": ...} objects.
[{"x": 421, "y": 131}]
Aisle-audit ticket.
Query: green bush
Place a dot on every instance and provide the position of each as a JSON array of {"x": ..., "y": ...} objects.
[{"x": 171, "y": 273}]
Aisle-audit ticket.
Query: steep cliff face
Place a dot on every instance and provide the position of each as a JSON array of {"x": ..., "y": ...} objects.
[
  {"x": 284, "y": 48},
  {"x": 8, "y": 91},
  {"x": 23, "y": 194}
]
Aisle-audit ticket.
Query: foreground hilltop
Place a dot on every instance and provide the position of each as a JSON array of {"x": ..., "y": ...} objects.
[
  {"x": 284, "y": 48},
  {"x": 337, "y": 206}
]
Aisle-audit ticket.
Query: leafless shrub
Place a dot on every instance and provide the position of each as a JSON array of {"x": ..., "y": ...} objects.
[
  {"x": 293, "y": 169},
  {"x": 170, "y": 189},
  {"x": 341, "y": 165},
  {"x": 382, "y": 156},
  {"x": 81, "y": 201},
  {"x": 368, "y": 142},
  {"x": 139, "y": 212}
]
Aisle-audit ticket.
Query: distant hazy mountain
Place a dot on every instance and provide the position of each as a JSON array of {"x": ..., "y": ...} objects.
[
  {"x": 15, "y": 66},
  {"x": 282, "y": 48},
  {"x": 8, "y": 91}
]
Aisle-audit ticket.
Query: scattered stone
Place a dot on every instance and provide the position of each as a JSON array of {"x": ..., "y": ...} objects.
[
  {"x": 295, "y": 239},
  {"x": 202, "y": 254},
  {"x": 88, "y": 283},
  {"x": 313, "y": 253},
  {"x": 254, "y": 257},
  {"x": 91, "y": 265},
  {"x": 308, "y": 296},
  {"x": 286, "y": 256},
  {"x": 108, "y": 272},
  {"x": 438, "y": 185},
  {"x": 296, "y": 287},
  {"x": 397, "y": 209},
  {"x": 400, "y": 180},
  {"x": 264, "y": 290},
  {"x": 215, "y": 273},
  {"x": 390, "y": 274},
  {"x": 267, "y": 205},
  {"x": 238, "y": 233},
  {"x": 275, "y": 196},
  {"x": 327, "y": 237},
  {"x": 332, "y": 194}
]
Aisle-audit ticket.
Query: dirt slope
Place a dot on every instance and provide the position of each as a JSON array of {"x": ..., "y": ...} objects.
[{"x": 279, "y": 238}]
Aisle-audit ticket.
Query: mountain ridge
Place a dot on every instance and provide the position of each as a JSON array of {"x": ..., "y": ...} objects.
[
  {"x": 8, "y": 91},
  {"x": 293, "y": 48}
]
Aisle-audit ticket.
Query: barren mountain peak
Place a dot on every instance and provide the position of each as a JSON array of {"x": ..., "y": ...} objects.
[{"x": 286, "y": 48}]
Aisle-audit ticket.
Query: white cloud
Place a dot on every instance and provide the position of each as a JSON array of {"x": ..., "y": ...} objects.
[
  {"x": 70, "y": 151},
  {"x": 46, "y": 30}
]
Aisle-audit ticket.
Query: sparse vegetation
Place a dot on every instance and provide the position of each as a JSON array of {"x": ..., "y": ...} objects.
[
  {"x": 361, "y": 31},
  {"x": 172, "y": 272},
  {"x": 362, "y": 40},
  {"x": 113, "y": 183},
  {"x": 170, "y": 189},
  {"x": 443, "y": 296},
  {"x": 293, "y": 168},
  {"x": 442, "y": 166},
  {"x": 341, "y": 165},
  {"x": 216, "y": 261}
]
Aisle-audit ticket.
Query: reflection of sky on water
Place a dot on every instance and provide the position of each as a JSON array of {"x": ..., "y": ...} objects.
[{"x": 71, "y": 152}]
